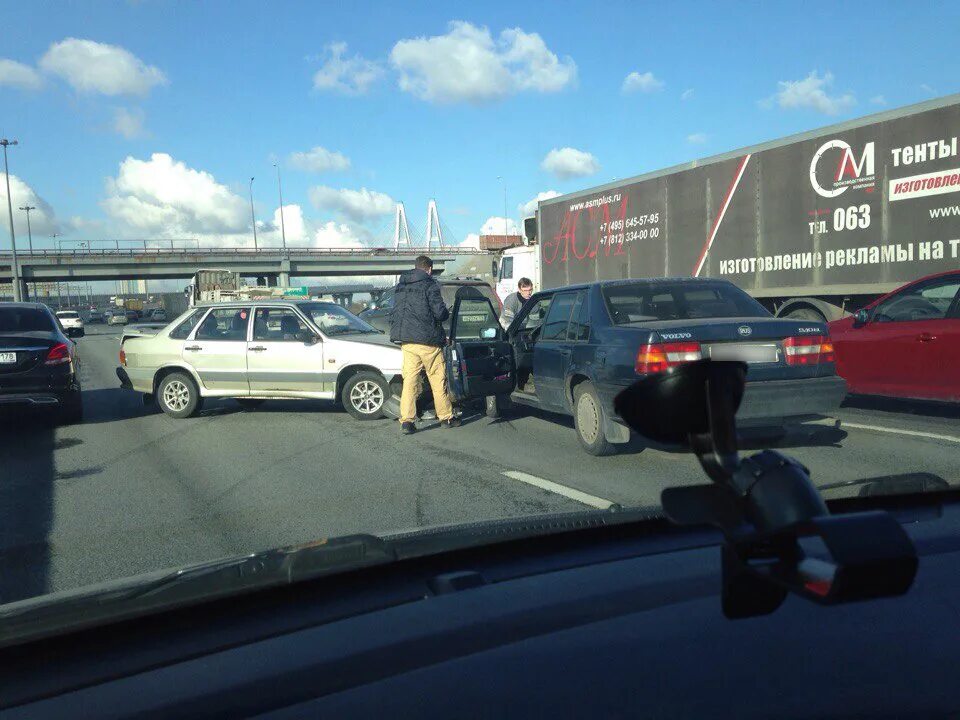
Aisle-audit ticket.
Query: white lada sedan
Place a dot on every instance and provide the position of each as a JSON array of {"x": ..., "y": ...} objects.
[{"x": 261, "y": 350}]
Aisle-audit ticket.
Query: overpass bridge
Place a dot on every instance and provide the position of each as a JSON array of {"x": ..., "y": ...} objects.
[{"x": 278, "y": 265}]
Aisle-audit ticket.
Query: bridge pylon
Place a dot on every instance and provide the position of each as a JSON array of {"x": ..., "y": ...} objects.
[
  {"x": 401, "y": 230},
  {"x": 433, "y": 230}
]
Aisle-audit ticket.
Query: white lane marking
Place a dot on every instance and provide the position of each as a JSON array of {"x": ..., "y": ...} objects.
[
  {"x": 894, "y": 431},
  {"x": 591, "y": 500}
]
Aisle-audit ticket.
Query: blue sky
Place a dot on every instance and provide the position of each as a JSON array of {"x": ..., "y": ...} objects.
[{"x": 147, "y": 119}]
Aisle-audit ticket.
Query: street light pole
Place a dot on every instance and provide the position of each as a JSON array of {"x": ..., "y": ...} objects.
[
  {"x": 27, "y": 209},
  {"x": 253, "y": 215},
  {"x": 283, "y": 229},
  {"x": 13, "y": 238}
]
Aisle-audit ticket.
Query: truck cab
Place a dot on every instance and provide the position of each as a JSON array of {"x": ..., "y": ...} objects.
[{"x": 515, "y": 263}]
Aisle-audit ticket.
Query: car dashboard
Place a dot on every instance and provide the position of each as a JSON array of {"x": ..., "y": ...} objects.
[{"x": 594, "y": 621}]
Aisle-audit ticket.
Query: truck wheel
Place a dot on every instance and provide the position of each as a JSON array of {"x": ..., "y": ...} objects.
[
  {"x": 178, "y": 395},
  {"x": 805, "y": 314},
  {"x": 364, "y": 395},
  {"x": 588, "y": 419}
]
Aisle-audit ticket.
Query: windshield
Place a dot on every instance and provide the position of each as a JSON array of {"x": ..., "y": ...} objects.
[
  {"x": 638, "y": 302},
  {"x": 379, "y": 267},
  {"x": 335, "y": 320}
]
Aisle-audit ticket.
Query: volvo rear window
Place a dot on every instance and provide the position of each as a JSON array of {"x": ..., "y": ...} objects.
[
  {"x": 650, "y": 302},
  {"x": 25, "y": 320}
]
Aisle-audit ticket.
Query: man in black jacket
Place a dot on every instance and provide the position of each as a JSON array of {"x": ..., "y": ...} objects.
[{"x": 416, "y": 324}]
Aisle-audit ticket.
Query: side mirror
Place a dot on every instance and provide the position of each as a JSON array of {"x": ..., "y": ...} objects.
[
  {"x": 305, "y": 336},
  {"x": 861, "y": 317}
]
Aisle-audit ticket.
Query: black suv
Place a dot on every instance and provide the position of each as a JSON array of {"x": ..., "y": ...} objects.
[{"x": 379, "y": 316}]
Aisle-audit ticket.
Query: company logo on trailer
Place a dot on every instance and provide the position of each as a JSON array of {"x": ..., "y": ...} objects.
[{"x": 850, "y": 171}]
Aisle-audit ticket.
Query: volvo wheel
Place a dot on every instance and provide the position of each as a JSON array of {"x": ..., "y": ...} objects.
[{"x": 588, "y": 419}]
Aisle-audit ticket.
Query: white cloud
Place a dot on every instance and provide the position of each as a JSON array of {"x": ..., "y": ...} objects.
[
  {"x": 686, "y": 94},
  {"x": 319, "y": 159},
  {"x": 927, "y": 89},
  {"x": 697, "y": 138},
  {"x": 18, "y": 75},
  {"x": 334, "y": 234},
  {"x": 495, "y": 226},
  {"x": 164, "y": 197},
  {"x": 356, "y": 204},
  {"x": 128, "y": 123},
  {"x": 878, "y": 100},
  {"x": 43, "y": 221},
  {"x": 347, "y": 75},
  {"x": 293, "y": 225},
  {"x": 528, "y": 208},
  {"x": 811, "y": 93},
  {"x": 79, "y": 224},
  {"x": 472, "y": 240},
  {"x": 468, "y": 65},
  {"x": 637, "y": 82},
  {"x": 569, "y": 162},
  {"x": 90, "y": 66}
]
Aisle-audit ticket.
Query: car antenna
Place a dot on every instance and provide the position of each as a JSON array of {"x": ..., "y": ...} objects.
[{"x": 763, "y": 504}]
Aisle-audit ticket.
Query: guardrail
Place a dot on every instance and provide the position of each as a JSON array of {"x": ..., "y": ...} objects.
[{"x": 128, "y": 252}]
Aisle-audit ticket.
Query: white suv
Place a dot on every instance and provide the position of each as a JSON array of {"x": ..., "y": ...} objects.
[
  {"x": 256, "y": 350},
  {"x": 72, "y": 323}
]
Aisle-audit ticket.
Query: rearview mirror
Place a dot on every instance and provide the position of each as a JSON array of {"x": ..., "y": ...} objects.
[{"x": 861, "y": 317}]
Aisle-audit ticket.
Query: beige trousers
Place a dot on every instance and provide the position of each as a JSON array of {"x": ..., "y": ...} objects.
[{"x": 418, "y": 357}]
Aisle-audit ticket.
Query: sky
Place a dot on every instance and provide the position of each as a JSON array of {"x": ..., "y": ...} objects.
[{"x": 146, "y": 120}]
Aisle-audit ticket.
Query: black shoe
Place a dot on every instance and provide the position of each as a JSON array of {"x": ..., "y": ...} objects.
[
  {"x": 408, "y": 428},
  {"x": 453, "y": 422}
]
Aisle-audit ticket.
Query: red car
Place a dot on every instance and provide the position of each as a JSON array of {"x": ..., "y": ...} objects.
[{"x": 905, "y": 344}]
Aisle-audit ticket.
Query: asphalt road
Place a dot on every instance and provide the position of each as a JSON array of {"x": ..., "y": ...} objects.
[{"x": 131, "y": 490}]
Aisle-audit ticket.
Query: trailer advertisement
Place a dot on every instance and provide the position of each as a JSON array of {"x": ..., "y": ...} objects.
[{"x": 857, "y": 208}]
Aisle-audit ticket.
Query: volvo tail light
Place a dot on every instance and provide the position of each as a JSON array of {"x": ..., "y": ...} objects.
[
  {"x": 808, "y": 350},
  {"x": 123, "y": 357},
  {"x": 58, "y": 355},
  {"x": 657, "y": 357}
]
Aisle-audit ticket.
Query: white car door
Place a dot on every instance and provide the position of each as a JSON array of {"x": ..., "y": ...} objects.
[
  {"x": 285, "y": 357},
  {"x": 218, "y": 351}
]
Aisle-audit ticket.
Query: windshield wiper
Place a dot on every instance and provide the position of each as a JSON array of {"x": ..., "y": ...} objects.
[
  {"x": 73, "y": 610},
  {"x": 354, "y": 331},
  {"x": 49, "y": 615}
]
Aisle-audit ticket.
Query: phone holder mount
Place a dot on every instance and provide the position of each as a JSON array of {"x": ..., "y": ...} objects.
[{"x": 764, "y": 504}]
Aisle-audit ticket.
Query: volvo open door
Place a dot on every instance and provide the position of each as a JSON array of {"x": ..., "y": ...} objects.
[{"x": 479, "y": 359}]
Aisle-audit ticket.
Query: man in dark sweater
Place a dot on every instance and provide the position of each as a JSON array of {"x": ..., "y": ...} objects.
[
  {"x": 416, "y": 324},
  {"x": 515, "y": 301}
]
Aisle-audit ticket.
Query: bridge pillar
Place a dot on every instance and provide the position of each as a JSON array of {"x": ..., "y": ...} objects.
[{"x": 285, "y": 272}]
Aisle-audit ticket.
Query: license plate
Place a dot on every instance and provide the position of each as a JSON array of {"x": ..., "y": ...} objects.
[
  {"x": 8, "y": 358},
  {"x": 745, "y": 352}
]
